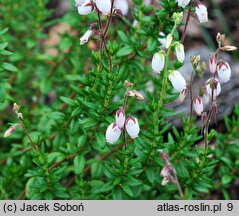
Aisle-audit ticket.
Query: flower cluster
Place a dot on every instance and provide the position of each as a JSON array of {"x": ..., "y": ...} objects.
[
  {"x": 200, "y": 9},
  {"x": 85, "y": 7},
  {"x": 130, "y": 124},
  {"x": 216, "y": 67},
  {"x": 159, "y": 59}
]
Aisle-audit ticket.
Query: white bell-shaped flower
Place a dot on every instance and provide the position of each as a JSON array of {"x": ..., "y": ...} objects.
[
  {"x": 120, "y": 117},
  {"x": 179, "y": 48},
  {"x": 169, "y": 40},
  {"x": 85, "y": 8},
  {"x": 198, "y": 105},
  {"x": 112, "y": 133},
  {"x": 103, "y": 5},
  {"x": 213, "y": 83},
  {"x": 224, "y": 71},
  {"x": 162, "y": 40},
  {"x": 79, "y": 2},
  {"x": 122, "y": 5},
  {"x": 183, "y": 3},
  {"x": 177, "y": 80},
  {"x": 201, "y": 12},
  {"x": 158, "y": 62},
  {"x": 132, "y": 126}
]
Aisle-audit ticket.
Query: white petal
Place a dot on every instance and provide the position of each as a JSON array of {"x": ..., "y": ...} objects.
[
  {"x": 120, "y": 118},
  {"x": 112, "y": 133},
  {"x": 177, "y": 80},
  {"x": 132, "y": 127},
  {"x": 123, "y": 5},
  {"x": 83, "y": 9},
  {"x": 179, "y": 48},
  {"x": 224, "y": 72},
  {"x": 103, "y": 5},
  {"x": 158, "y": 62},
  {"x": 79, "y": 2},
  {"x": 216, "y": 91},
  {"x": 86, "y": 37},
  {"x": 162, "y": 40},
  {"x": 183, "y": 3},
  {"x": 201, "y": 12}
]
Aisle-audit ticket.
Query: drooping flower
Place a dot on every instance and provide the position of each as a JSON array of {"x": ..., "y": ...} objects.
[
  {"x": 103, "y": 5},
  {"x": 224, "y": 71},
  {"x": 158, "y": 62},
  {"x": 213, "y": 83},
  {"x": 120, "y": 117},
  {"x": 183, "y": 3},
  {"x": 162, "y": 40},
  {"x": 112, "y": 133},
  {"x": 179, "y": 48},
  {"x": 169, "y": 40},
  {"x": 213, "y": 64},
  {"x": 132, "y": 126},
  {"x": 10, "y": 130},
  {"x": 177, "y": 80},
  {"x": 86, "y": 8},
  {"x": 122, "y": 5},
  {"x": 167, "y": 170},
  {"x": 201, "y": 12},
  {"x": 79, "y": 2},
  {"x": 183, "y": 94},
  {"x": 86, "y": 36},
  {"x": 198, "y": 105}
]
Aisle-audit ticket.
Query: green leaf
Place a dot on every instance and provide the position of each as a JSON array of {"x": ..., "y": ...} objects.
[
  {"x": 107, "y": 187},
  {"x": 226, "y": 179},
  {"x": 124, "y": 51},
  {"x": 100, "y": 137},
  {"x": 127, "y": 189},
  {"x": 68, "y": 101},
  {"x": 9, "y": 67},
  {"x": 3, "y": 31},
  {"x": 79, "y": 163},
  {"x": 123, "y": 36}
]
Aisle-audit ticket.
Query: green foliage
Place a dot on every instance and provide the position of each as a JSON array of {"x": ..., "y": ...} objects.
[{"x": 69, "y": 99}]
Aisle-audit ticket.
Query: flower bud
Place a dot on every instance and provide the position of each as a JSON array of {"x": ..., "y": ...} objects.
[
  {"x": 132, "y": 126},
  {"x": 169, "y": 39},
  {"x": 213, "y": 63},
  {"x": 224, "y": 71},
  {"x": 103, "y": 5},
  {"x": 179, "y": 48},
  {"x": 112, "y": 133},
  {"x": 86, "y": 36},
  {"x": 215, "y": 85},
  {"x": 10, "y": 130},
  {"x": 120, "y": 117},
  {"x": 79, "y": 2},
  {"x": 183, "y": 94},
  {"x": 164, "y": 157},
  {"x": 201, "y": 12},
  {"x": 228, "y": 48},
  {"x": 195, "y": 60},
  {"x": 20, "y": 116},
  {"x": 177, "y": 80},
  {"x": 16, "y": 108},
  {"x": 220, "y": 38},
  {"x": 164, "y": 181},
  {"x": 178, "y": 17},
  {"x": 162, "y": 40},
  {"x": 158, "y": 62},
  {"x": 127, "y": 84},
  {"x": 122, "y": 5},
  {"x": 198, "y": 105},
  {"x": 166, "y": 171},
  {"x": 183, "y": 3},
  {"x": 86, "y": 8}
]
